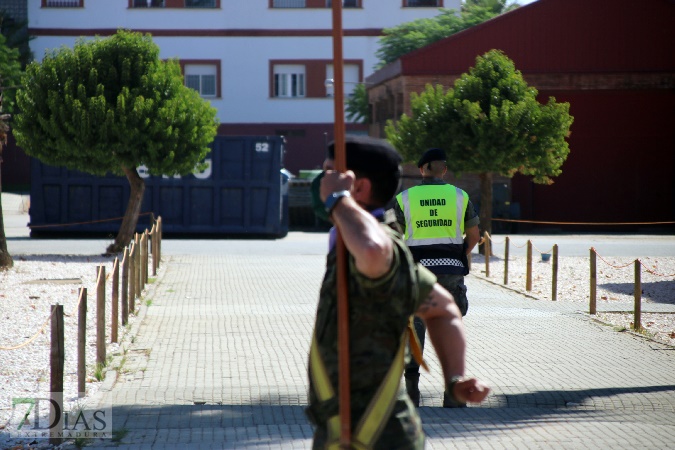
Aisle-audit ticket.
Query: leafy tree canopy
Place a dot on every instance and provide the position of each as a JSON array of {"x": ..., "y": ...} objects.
[
  {"x": 490, "y": 122},
  {"x": 111, "y": 103},
  {"x": 409, "y": 36},
  {"x": 10, "y": 74},
  {"x": 357, "y": 107}
]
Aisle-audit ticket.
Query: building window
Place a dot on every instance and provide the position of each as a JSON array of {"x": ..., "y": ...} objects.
[
  {"x": 62, "y": 3},
  {"x": 174, "y": 3},
  {"x": 203, "y": 78},
  {"x": 345, "y": 4},
  {"x": 351, "y": 74},
  {"x": 148, "y": 4},
  {"x": 289, "y": 80},
  {"x": 424, "y": 3},
  {"x": 288, "y": 3},
  {"x": 200, "y": 3}
]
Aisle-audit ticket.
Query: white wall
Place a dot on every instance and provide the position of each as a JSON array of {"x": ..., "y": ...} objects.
[{"x": 244, "y": 60}]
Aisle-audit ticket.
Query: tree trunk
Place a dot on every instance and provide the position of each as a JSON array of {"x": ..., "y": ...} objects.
[
  {"x": 130, "y": 220},
  {"x": 6, "y": 260},
  {"x": 485, "y": 213}
]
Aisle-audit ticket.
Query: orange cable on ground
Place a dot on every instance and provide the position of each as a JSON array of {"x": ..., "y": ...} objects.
[
  {"x": 83, "y": 223},
  {"x": 32, "y": 338},
  {"x": 583, "y": 223}
]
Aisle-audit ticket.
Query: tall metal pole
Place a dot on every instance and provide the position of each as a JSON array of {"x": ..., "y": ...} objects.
[{"x": 342, "y": 282}]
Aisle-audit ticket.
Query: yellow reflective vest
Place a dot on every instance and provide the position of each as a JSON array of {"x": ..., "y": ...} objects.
[
  {"x": 434, "y": 225},
  {"x": 434, "y": 214}
]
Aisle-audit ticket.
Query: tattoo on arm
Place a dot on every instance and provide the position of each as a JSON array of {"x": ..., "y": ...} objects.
[{"x": 428, "y": 303}]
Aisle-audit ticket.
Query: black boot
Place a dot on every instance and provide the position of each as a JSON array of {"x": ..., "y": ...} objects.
[{"x": 412, "y": 386}]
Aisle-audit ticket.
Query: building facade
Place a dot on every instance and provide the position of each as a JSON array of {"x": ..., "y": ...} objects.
[{"x": 262, "y": 63}]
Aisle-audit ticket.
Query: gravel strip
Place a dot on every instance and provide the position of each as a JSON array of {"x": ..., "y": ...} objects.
[
  {"x": 614, "y": 291},
  {"x": 27, "y": 292}
]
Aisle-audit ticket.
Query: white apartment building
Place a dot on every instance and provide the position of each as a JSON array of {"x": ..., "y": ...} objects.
[{"x": 262, "y": 63}]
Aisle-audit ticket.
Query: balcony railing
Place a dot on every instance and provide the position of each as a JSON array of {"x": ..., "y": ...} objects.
[
  {"x": 162, "y": 4},
  {"x": 200, "y": 3},
  {"x": 148, "y": 4},
  {"x": 345, "y": 3},
  {"x": 62, "y": 3},
  {"x": 288, "y": 4},
  {"x": 423, "y": 3}
]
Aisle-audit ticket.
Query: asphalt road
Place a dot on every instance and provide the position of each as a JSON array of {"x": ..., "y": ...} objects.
[{"x": 19, "y": 242}]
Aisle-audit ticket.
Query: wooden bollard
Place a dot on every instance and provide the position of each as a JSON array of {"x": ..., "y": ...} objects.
[
  {"x": 57, "y": 357},
  {"x": 159, "y": 240},
  {"x": 506, "y": 260},
  {"x": 137, "y": 264},
  {"x": 554, "y": 276},
  {"x": 146, "y": 257},
  {"x": 486, "y": 236},
  {"x": 125, "y": 287},
  {"x": 82, "y": 343},
  {"x": 132, "y": 279},
  {"x": 153, "y": 249},
  {"x": 100, "y": 316},
  {"x": 637, "y": 293},
  {"x": 594, "y": 283},
  {"x": 114, "y": 322},
  {"x": 528, "y": 276}
]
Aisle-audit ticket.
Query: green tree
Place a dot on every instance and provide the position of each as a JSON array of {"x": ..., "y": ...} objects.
[
  {"x": 16, "y": 33},
  {"x": 10, "y": 74},
  {"x": 489, "y": 123},
  {"x": 110, "y": 105},
  {"x": 409, "y": 36},
  {"x": 357, "y": 108}
]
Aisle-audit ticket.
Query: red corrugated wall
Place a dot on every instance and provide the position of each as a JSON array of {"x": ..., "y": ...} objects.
[
  {"x": 568, "y": 36},
  {"x": 621, "y": 166}
]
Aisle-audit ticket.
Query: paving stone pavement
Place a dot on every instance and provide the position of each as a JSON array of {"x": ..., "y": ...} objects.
[{"x": 219, "y": 360}]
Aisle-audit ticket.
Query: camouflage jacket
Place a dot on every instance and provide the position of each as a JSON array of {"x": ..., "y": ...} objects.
[{"x": 378, "y": 315}]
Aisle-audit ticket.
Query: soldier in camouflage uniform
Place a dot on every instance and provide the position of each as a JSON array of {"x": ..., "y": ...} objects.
[{"x": 386, "y": 288}]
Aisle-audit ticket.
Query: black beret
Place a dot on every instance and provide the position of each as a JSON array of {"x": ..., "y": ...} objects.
[
  {"x": 433, "y": 154},
  {"x": 368, "y": 154}
]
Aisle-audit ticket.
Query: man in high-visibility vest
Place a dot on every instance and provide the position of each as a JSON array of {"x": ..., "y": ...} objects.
[
  {"x": 441, "y": 228},
  {"x": 386, "y": 287}
]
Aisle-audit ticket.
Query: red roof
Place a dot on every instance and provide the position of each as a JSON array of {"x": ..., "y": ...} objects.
[{"x": 562, "y": 36}]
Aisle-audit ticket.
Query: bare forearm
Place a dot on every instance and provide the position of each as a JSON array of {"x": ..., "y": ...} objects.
[
  {"x": 447, "y": 337},
  {"x": 446, "y": 330}
]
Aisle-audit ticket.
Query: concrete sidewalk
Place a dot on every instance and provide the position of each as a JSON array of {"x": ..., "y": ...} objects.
[{"x": 218, "y": 360}]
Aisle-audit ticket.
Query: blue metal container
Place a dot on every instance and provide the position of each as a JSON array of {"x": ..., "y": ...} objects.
[{"x": 242, "y": 192}]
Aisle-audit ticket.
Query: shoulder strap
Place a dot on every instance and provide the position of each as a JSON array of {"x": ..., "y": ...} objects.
[{"x": 379, "y": 409}]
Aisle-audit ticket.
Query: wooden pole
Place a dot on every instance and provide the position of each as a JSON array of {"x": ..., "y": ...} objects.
[
  {"x": 594, "y": 283},
  {"x": 144, "y": 254},
  {"x": 138, "y": 282},
  {"x": 100, "y": 316},
  {"x": 57, "y": 360},
  {"x": 159, "y": 241},
  {"x": 506, "y": 260},
  {"x": 82, "y": 343},
  {"x": 637, "y": 293},
  {"x": 528, "y": 276},
  {"x": 114, "y": 323},
  {"x": 125, "y": 287},
  {"x": 486, "y": 237},
  {"x": 132, "y": 279},
  {"x": 342, "y": 282},
  {"x": 554, "y": 278},
  {"x": 153, "y": 246}
]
